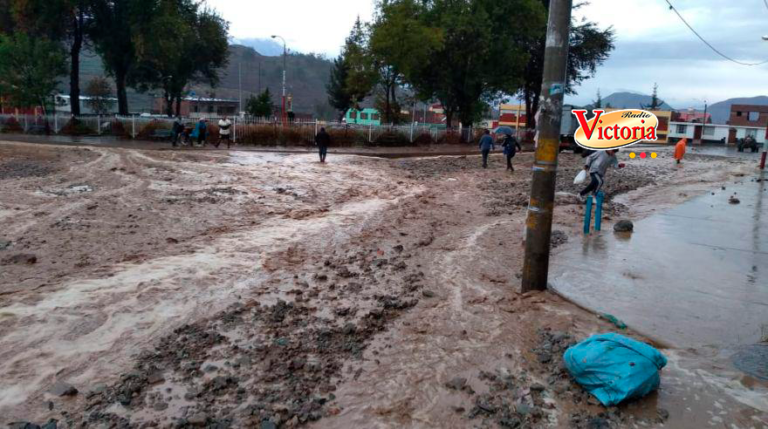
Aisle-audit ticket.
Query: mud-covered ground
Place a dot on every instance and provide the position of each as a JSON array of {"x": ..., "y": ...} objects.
[{"x": 240, "y": 289}]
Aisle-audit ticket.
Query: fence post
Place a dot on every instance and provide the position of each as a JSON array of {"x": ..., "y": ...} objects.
[
  {"x": 98, "y": 124},
  {"x": 55, "y": 123},
  {"x": 315, "y": 127},
  {"x": 133, "y": 126},
  {"x": 411, "y": 132},
  {"x": 370, "y": 132},
  {"x": 234, "y": 130},
  {"x": 26, "y": 126}
]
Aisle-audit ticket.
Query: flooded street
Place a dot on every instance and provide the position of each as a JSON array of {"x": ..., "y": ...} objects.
[{"x": 249, "y": 289}]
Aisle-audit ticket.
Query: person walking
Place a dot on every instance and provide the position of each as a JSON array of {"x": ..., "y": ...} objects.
[
  {"x": 680, "y": 150},
  {"x": 323, "y": 140},
  {"x": 225, "y": 127},
  {"x": 486, "y": 146},
  {"x": 597, "y": 165},
  {"x": 177, "y": 129},
  {"x": 511, "y": 146},
  {"x": 201, "y": 129}
]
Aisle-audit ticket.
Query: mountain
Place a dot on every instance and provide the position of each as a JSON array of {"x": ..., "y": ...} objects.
[
  {"x": 722, "y": 111},
  {"x": 266, "y": 47},
  {"x": 306, "y": 77},
  {"x": 629, "y": 100}
]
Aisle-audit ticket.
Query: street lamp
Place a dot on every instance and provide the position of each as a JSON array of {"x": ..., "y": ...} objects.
[{"x": 285, "y": 55}]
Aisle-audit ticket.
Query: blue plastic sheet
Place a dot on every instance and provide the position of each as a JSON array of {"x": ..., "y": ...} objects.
[{"x": 615, "y": 368}]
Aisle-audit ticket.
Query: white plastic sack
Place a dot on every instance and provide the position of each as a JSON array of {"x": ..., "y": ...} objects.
[{"x": 580, "y": 178}]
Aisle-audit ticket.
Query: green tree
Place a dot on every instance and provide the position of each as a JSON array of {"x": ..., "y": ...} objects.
[
  {"x": 399, "y": 45},
  {"x": 99, "y": 92},
  {"x": 66, "y": 21},
  {"x": 362, "y": 74},
  {"x": 599, "y": 102},
  {"x": 338, "y": 97},
  {"x": 655, "y": 102},
  {"x": 115, "y": 27},
  {"x": 589, "y": 47},
  {"x": 29, "y": 69},
  {"x": 182, "y": 44},
  {"x": 482, "y": 53},
  {"x": 260, "y": 106}
]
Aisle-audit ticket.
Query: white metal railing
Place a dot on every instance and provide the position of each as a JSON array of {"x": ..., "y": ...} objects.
[{"x": 135, "y": 126}]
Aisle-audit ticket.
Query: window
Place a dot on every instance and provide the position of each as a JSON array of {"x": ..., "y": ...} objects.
[
  {"x": 709, "y": 131},
  {"x": 754, "y": 116},
  {"x": 682, "y": 129},
  {"x": 210, "y": 108},
  {"x": 375, "y": 117},
  {"x": 197, "y": 108},
  {"x": 353, "y": 114},
  {"x": 363, "y": 116},
  {"x": 738, "y": 113}
]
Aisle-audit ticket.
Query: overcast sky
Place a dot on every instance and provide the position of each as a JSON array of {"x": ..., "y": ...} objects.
[{"x": 653, "y": 45}]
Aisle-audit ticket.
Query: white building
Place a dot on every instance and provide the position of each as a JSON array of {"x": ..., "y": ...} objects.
[
  {"x": 64, "y": 105},
  {"x": 714, "y": 133}
]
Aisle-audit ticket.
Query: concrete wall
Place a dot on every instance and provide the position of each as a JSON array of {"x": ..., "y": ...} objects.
[{"x": 718, "y": 133}]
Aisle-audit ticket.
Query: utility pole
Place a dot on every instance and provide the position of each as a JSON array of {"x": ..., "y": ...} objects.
[
  {"x": 542, "y": 203},
  {"x": 285, "y": 56},
  {"x": 240, "y": 84}
]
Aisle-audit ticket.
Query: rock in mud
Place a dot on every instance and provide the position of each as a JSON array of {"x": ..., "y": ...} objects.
[
  {"x": 734, "y": 200},
  {"x": 198, "y": 419},
  {"x": 558, "y": 238},
  {"x": 458, "y": 383},
  {"x": 63, "y": 389},
  {"x": 4, "y": 244},
  {"x": 21, "y": 259},
  {"x": 624, "y": 226}
]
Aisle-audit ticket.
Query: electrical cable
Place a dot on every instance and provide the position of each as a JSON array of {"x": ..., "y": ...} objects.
[{"x": 709, "y": 44}]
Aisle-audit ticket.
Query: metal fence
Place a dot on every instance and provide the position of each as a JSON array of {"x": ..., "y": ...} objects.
[{"x": 247, "y": 130}]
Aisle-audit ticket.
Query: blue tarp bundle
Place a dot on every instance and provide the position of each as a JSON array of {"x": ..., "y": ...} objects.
[{"x": 614, "y": 368}]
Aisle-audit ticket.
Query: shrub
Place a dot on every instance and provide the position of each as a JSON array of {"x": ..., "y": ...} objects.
[
  {"x": 12, "y": 126},
  {"x": 76, "y": 127},
  {"x": 423, "y": 139},
  {"x": 146, "y": 132}
]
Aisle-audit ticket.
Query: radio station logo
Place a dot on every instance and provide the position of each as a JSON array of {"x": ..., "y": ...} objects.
[{"x": 612, "y": 130}]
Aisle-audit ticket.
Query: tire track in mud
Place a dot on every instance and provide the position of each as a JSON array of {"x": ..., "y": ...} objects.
[{"x": 88, "y": 328}]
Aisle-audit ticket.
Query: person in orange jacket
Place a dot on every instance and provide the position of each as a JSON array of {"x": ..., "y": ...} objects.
[{"x": 680, "y": 150}]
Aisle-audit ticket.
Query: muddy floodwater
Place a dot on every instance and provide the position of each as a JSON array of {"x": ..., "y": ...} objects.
[{"x": 146, "y": 288}]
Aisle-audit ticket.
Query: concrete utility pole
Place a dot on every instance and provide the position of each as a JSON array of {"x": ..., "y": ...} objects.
[
  {"x": 285, "y": 56},
  {"x": 541, "y": 206}
]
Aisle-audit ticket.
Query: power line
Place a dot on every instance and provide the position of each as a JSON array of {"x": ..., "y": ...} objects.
[
  {"x": 766, "y": 3},
  {"x": 709, "y": 44}
]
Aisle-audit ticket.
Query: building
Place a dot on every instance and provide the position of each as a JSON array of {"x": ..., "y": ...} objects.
[
  {"x": 715, "y": 133},
  {"x": 692, "y": 116},
  {"x": 747, "y": 115},
  {"x": 198, "y": 107},
  {"x": 512, "y": 115},
  {"x": 662, "y": 130},
  {"x": 367, "y": 116},
  {"x": 64, "y": 105}
]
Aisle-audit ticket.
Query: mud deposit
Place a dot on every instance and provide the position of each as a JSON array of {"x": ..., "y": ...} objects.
[{"x": 237, "y": 289}]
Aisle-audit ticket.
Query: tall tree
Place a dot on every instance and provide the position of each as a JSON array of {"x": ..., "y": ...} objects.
[
  {"x": 29, "y": 69},
  {"x": 482, "y": 53},
  {"x": 655, "y": 102},
  {"x": 398, "y": 43},
  {"x": 361, "y": 76},
  {"x": 182, "y": 44},
  {"x": 66, "y": 21},
  {"x": 598, "y": 103},
  {"x": 589, "y": 47},
  {"x": 115, "y": 29},
  {"x": 338, "y": 97}
]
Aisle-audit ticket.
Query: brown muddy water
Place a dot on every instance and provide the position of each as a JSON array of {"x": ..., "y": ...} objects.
[{"x": 251, "y": 289}]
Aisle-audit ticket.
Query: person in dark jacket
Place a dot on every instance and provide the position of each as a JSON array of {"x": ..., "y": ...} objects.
[
  {"x": 322, "y": 140},
  {"x": 177, "y": 130},
  {"x": 486, "y": 146},
  {"x": 510, "y": 146}
]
